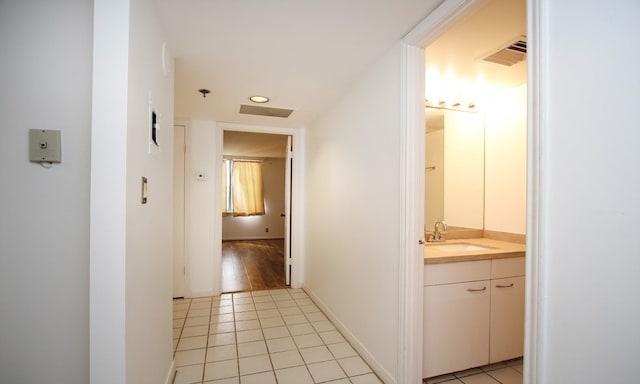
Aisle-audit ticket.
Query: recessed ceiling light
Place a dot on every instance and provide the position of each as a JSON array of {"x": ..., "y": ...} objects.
[{"x": 259, "y": 99}]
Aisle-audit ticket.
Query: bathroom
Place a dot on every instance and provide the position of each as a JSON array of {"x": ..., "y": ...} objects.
[{"x": 475, "y": 198}]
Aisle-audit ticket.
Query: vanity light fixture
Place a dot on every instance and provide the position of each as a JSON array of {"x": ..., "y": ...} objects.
[
  {"x": 259, "y": 99},
  {"x": 457, "y": 106}
]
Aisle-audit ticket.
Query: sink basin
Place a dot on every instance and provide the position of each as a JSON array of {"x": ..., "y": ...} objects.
[{"x": 459, "y": 247}]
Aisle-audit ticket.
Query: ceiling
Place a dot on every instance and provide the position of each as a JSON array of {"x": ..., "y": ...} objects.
[
  {"x": 301, "y": 54},
  {"x": 460, "y": 49}
]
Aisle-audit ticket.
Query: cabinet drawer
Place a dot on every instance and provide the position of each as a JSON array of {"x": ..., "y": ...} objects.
[
  {"x": 513, "y": 266},
  {"x": 458, "y": 272}
]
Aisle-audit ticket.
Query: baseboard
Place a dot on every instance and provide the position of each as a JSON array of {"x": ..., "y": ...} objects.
[
  {"x": 172, "y": 373},
  {"x": 379, "y": 370},
  {"x": 253, "y": 238}
]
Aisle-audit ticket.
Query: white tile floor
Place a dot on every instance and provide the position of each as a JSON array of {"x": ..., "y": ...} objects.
[
  {"x": 507, "y": 372},
  {"x": 262, "y": 337}
]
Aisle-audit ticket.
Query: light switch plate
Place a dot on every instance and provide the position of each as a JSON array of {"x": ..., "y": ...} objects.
[{"x": 44, "y": 145}]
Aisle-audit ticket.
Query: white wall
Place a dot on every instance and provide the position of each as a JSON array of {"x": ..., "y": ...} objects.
[
  {"x": 589, "y": 187},
  {"x": 44, "y": 213},
  {"x": 149, "y": 246},
  {"x": 253, "y": 227},
  {"x": 131, "y": 243},
  {"x": 352, "y": 212},
  {"x": 108, "y": 191},
  {"x": 202, "y": 266},
  {"x": 506, "y": 161}
]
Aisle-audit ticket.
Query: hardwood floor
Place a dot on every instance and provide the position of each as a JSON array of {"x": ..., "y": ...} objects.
[{"x": 249, "y": 265}]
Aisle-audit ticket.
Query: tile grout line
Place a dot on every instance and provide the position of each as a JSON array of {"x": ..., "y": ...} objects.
[
  {"x": 175, "y": 349},
  {"x": 323, "y": 342},
  {"x": 206, "y": 345},
  {"x": 235, "y": 329},
  {"x": 294, "y": 341},
  {"x": 275, "y": 377}
]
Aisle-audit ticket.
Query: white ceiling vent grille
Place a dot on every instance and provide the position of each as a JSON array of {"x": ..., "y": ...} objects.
[
  {"x": 264, "y": 111},
  {"x": 513, "y": 53}
]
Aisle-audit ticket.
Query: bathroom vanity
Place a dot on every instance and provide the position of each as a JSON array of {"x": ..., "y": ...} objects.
[{"x": 473, "y": 304}]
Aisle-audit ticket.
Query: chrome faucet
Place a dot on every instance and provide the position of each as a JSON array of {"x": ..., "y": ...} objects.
[{"x": 438, "y": 228}]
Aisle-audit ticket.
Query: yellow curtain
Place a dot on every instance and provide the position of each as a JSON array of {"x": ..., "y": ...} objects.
[{"x": 246, "y": 188}]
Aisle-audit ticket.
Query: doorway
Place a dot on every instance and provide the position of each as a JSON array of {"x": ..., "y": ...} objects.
[
  {"x": 446, "y": 17},
  {"x": 253, "y": 243}
]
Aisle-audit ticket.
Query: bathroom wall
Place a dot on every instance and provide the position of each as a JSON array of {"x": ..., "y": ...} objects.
[
  {"x": 506, "y": 161},
  {"x": 253, "y": 227}
]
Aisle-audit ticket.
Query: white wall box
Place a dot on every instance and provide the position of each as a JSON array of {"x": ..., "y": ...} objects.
[{"x": 473, "y": 314}]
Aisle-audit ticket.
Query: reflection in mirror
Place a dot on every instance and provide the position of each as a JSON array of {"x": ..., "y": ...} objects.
[{"x": 454, "y": 169}]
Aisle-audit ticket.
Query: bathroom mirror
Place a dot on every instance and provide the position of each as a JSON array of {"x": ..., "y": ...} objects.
[{"x": 454, "y": 169}]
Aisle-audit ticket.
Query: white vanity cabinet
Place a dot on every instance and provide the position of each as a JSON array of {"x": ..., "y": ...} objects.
[
  {"x": 456, "y": 316},
  {"x": 507, "y": 309},
  {"x": 473, "y": 314}
]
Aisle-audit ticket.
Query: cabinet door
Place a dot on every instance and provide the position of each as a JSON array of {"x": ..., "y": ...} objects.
[
  {"x": 456, "y": 327},
  {"x": 507, "y": 319}
]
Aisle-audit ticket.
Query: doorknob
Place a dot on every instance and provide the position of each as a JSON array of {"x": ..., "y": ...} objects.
[
  {"x": 422, "y": 242},
  {"x": 282, "y": 215}
]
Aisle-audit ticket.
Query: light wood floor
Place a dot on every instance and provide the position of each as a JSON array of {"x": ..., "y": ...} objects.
[{"x": 252, "y": 265}]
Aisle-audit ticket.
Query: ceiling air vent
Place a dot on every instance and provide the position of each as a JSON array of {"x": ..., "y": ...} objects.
[
  {"x": 513, "y": 53},
  {"x": 264, "y": 111}
]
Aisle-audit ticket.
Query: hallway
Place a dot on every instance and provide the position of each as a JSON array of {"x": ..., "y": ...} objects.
[
  {"x": 261, "y": 337},
  {"x": 249, "y": 265}
]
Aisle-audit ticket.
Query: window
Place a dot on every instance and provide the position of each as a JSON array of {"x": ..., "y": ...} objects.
[{"x": 242, "y": 190}]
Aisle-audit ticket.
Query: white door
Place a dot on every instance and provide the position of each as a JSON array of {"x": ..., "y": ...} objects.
[
  {"x": 178, "y": 211},
  {"x": 287, "y": 213}
]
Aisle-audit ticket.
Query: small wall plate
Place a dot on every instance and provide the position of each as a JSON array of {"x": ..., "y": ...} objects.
[{"x": 44, "y": 146}]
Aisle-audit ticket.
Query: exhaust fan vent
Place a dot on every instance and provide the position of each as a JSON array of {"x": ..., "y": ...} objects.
[
  {"x": 513, "y": 53},
  {"x": 264, "y": 111}
]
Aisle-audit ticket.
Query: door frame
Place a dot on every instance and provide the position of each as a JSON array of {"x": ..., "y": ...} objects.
[
  {"x": 179, "y": 247},
  {"x": 288, "y": 180},
  {"x": 297, "y": 177},
  {"x": 410, "y": 331}
]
